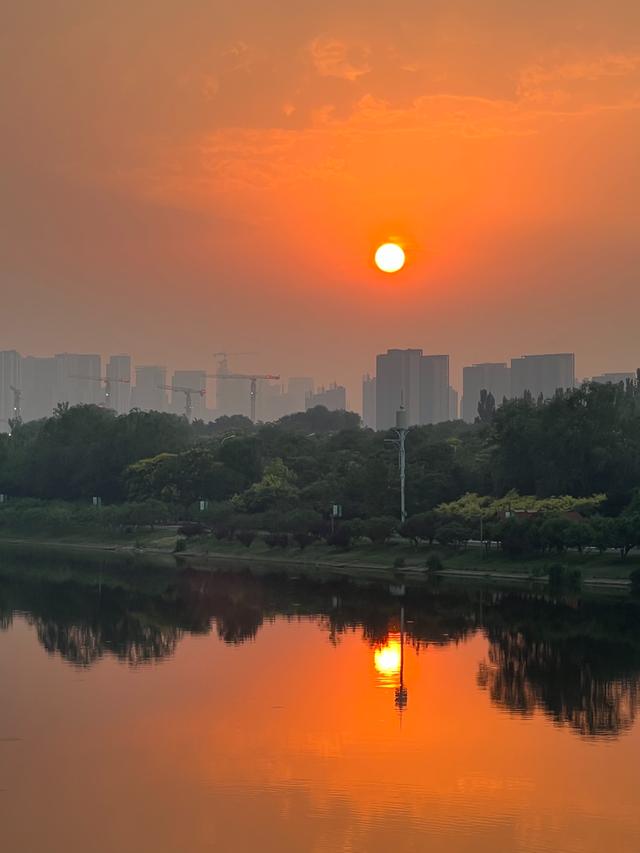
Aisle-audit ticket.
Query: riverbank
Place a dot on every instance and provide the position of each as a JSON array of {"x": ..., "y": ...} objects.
[{"x": 396, "y": 560}]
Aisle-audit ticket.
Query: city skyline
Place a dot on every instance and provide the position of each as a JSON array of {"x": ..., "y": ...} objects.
[
  {"x": 120, "y": 383},
  {"x": 230, "y": 180}
]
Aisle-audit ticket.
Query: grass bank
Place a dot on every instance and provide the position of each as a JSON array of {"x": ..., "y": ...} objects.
[{"x": 393, "y": 558}]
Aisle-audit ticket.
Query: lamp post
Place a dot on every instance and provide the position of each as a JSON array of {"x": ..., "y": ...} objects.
[{"x": 401, "y": 428}]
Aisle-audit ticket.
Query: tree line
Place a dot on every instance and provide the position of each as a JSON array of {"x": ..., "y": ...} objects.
[{"x": 582, "y": 447}]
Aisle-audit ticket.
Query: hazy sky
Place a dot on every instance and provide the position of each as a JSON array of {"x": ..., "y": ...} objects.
[{"x": 181, "y": 176}]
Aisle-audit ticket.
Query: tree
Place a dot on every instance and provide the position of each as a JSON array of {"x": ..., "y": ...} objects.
[
  {"x": 380, "y": 528},
  {"x": 275, "y": 489},
  {"x": 421, "y": 526},
  {"x": 453, "y": 532},
  {"x": 486, "y": 407}
]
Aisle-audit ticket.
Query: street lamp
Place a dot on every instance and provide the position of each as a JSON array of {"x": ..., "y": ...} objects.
[{"x": 401, "y": 429}]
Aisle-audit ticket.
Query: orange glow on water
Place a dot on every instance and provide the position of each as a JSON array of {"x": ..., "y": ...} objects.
[{"x": 387, "y": 660}]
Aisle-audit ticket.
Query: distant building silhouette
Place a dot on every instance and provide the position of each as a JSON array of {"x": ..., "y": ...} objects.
[
  {"x": 613, "y": 378},
  {"x": 78, "y": 379},
  {"x": 10, "y": 375},
  {"x": 147, "y": 394},
  {"x": 419, "y": 382},
  {"x": 298, "y": 389},
  {"x": 197, "y": 381},
  {"x": 119, "y": 368},
  {"x": 369, "y": 401},
  {"x": 454, "y": 407},
  {"x": 542, "y": 374},
  {"x": 38, "y": 387},
  {"x": 434, "y": 389},
  {"x": 334, "y": 398},
  {"x": 493, "y": 377}
]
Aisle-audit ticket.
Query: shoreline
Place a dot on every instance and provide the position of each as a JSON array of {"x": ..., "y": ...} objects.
[{"x": 349, "y": 569}]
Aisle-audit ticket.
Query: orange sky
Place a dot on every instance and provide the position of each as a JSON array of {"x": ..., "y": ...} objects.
[{"x": 183, "y": 177}]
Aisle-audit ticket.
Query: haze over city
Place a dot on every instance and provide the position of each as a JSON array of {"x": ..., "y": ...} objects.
[
  {"x": 175, "y": 184},
  {"x": 319, "y": 426}
]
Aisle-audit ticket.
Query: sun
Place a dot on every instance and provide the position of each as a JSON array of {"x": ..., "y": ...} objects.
[{"x": 389, "y": 257}]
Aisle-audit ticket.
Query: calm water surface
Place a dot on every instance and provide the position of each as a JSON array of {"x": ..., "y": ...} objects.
[{"x": 145, "y": 709}]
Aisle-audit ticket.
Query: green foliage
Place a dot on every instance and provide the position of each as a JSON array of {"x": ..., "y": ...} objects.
[
  {"x": 561, "y": 576},
  {"x": 302, "y": 540},
  {"x": 276, "y": 489},
  {"x": 380, "y": 528},
  {"x": 542, "y": 459},
  {"x": 472, "y": 505},
  {"x": 246, "y": 537},
  {"x": 434, "y": 563},
  {"x": 456, "y": 533},
  {"x": 341, "y": 537},
  {"x": 319, "y": 419}
]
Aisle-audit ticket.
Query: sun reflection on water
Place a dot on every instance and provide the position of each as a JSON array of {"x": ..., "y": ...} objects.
[{"x": 387, "y": 660}]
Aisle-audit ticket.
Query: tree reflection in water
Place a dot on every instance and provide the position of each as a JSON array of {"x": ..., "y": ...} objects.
[{"x": 578, "y": 661}]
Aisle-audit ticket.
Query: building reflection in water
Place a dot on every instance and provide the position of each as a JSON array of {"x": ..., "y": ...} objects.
[{"x": 388, "y": 660}]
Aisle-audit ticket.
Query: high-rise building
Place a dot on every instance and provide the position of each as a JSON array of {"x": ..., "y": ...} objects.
[
  {"x": 418, "y": 382},
  {"x": 398, "y": 381},
  {"x": 271, "y": 403},
  {"x": 148, "y": 394},
  {"x": 298, "y": 389},
  {"x": 119, "y": 374},
  {"x": 232, "y": 395},
  {"x": 38, "y": 387},
  {"x": 453, "y": 404},
  {"x": 10, "y": 379},
  {"x": 434, "y": 389},
  {"x": 542, "y": 374},
  {"x": 369, "y": 401},
  {"x": 78, "y": 379},
  {"x": 196, "y": 380},
  {"x": 613, "y": 378},
  {"x": 493, "y": 377},
  {"x": 333, "y": 398}
]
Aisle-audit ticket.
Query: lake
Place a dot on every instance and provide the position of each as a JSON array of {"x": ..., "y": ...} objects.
[{"x": 150, "y": 709}]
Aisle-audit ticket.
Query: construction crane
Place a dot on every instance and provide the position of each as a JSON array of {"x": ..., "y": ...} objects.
[
  {"x": 188, "y": 396},
  {"x": 17, "y": 402},
  {"x": 223, "y": 359},
  {"x": 107, "y": 381},
  {"x": 253, "y": 385}
]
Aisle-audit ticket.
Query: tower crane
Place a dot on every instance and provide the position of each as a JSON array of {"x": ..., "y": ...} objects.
[
  {"x": 223, "y": 359},
  {"x": 17, "y": 402},
  {"x": 188, "y": 396},
  {"x": 106, "y": 381},
  {"x": 253, "y": 385}
]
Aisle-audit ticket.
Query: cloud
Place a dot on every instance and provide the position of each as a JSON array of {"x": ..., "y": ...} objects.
[
  {"x": 333, "y": 58},
  {"x": 607, "y": 81}
]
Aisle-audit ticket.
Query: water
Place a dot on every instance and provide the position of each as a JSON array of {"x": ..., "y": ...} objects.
[{"x": 145, "y": 709}]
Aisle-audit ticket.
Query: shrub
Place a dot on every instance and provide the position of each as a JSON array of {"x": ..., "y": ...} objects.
[
  {"x": 562, "y": 576},
  {"x": 191, "y": 528},
  {"x": 277, "y": 540},
  {"x": 246, "y": 537},
  {"x": 422, "y": 526},
  {"x": 340, "y": 538},
  {"x": 399, "y": 563},
  {"x": 303, "y": 540},
  {"x": 434, "y": 563},
  {"x": 380, "y": 528},
  {"x": 453, "y": 533},
  {"x": 181, "y": 545}
]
